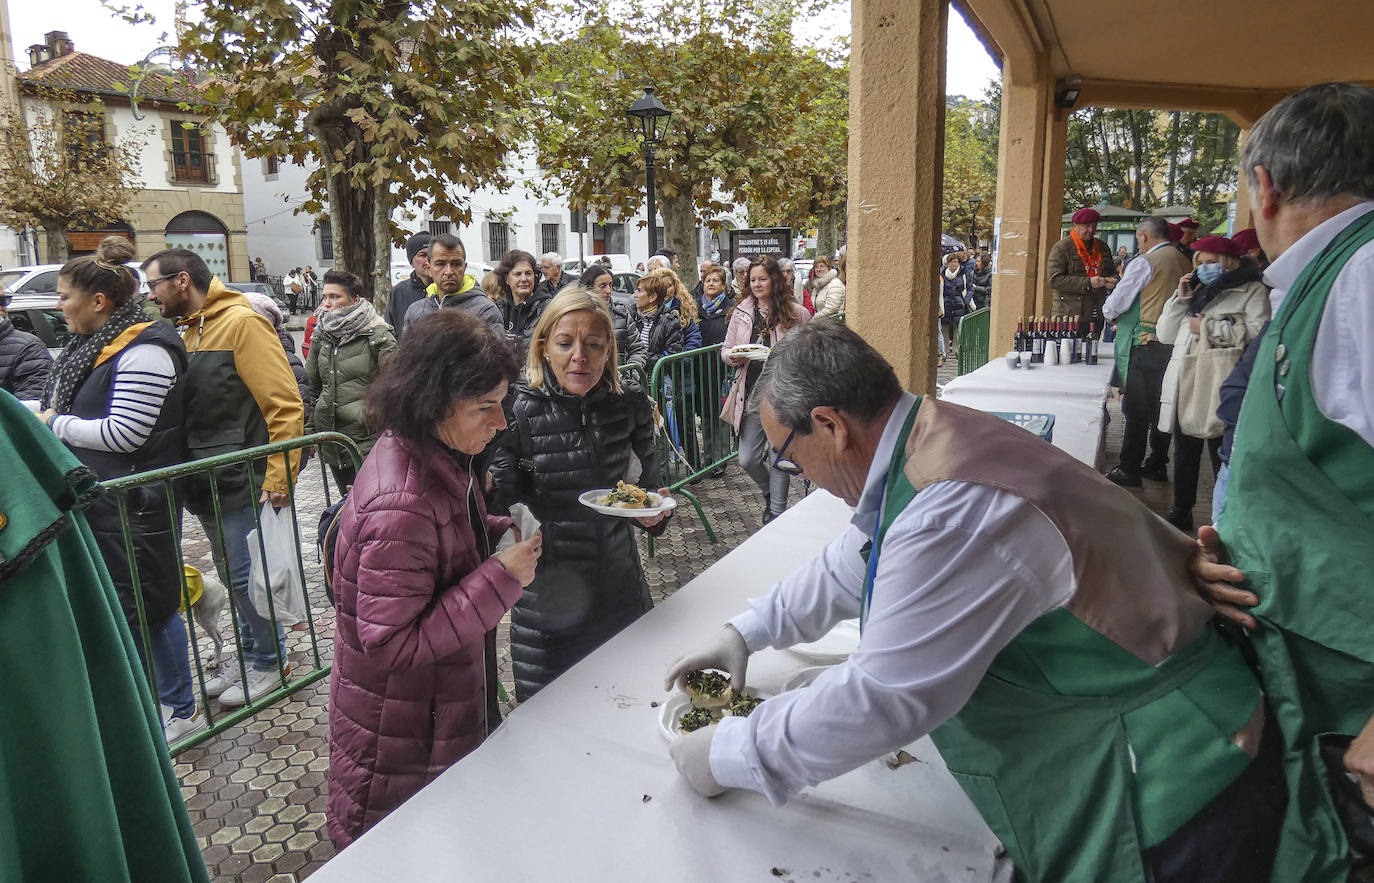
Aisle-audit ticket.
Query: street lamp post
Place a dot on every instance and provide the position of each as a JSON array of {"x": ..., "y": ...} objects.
[
  {"x": 649, "y": 118},
  {"x": 973, "y": 202}
]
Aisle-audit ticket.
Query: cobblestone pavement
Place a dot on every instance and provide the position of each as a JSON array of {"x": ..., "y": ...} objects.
[{"x": 256, "y": 792}]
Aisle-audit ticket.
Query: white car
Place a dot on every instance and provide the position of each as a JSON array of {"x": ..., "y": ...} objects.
[
  {"x": 620, "y": 263},
  {"x": 42, "y": 279}
]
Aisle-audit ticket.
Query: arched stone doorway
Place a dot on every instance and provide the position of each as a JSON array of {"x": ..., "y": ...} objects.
[{"x": 204, "y": 234}]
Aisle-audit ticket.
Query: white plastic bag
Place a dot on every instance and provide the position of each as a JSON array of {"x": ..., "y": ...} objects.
[{"x": 282, "y": 573}]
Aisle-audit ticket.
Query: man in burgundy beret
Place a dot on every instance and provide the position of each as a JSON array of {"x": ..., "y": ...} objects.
[
  {"x": 1187, "y": 233},
  {"x": 1081, "y": 269}
]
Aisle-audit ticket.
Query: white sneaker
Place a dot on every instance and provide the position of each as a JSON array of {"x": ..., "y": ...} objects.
[
  {"x": 260, "y": 683},
  {"x": 178, "y": 728},
  {"x": 228, "y": 676}
]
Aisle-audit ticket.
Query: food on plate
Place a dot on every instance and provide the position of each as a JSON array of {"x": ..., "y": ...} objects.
[
  {"x": 696, "y": 718},
  {"x": 627, "y": 496},
  {"x": 746, "y": 349},
  {"x": 742, "y": 704},
  {"x": 708, "y": 689}
]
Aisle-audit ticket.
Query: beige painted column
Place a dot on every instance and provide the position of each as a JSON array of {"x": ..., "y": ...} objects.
[
  {"x": 896, "y": 161},
  {"x": 1020, "y": 204},
  {"x": 1243, "y": 209},
  {"x": 1051, "y": 201}
]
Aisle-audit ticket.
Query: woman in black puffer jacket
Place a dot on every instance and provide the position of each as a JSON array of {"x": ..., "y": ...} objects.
[{"x": 573, "y": 428}]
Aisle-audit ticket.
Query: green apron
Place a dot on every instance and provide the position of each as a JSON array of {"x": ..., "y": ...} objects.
[
  {"x": 1127, "y": 332},
  {"x": 1298, "y": 520},
  {"x": 86, "y": 788},
  {"x": 1077, "y": 754}
]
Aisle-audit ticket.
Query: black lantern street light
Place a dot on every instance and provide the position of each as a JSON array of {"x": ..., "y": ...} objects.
[
  {"x": 649, "y": 119},
  {"x": 973, "y": 202}
]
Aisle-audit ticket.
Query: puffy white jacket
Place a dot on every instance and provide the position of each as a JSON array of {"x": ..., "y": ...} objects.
[{"x": 827, "y": 294}]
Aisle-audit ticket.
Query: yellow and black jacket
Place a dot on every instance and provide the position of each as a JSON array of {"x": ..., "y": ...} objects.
[{"x": 240, "y": 393}]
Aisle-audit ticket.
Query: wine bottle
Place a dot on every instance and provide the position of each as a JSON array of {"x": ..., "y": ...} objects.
[
  {"x": 1037, "y": 336},
  {"x": 1090, "y": 352},
  {"x": 1019, "y": 340}
]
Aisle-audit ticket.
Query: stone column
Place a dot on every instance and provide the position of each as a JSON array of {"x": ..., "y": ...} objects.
[
  {"x": 1243, "y": 208},
  {"x": 1051, "y": 202},
  {"x": 896, "y": 162},
  {"x": 1020, "y": 186}
]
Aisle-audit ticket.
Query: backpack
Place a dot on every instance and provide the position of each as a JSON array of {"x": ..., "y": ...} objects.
[{"x": 326, "y": 538}]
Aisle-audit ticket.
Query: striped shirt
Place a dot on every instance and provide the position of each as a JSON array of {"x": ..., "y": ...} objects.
[{"x": 143, "y": 375}]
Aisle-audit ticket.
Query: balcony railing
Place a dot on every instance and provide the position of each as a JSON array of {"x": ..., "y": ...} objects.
[{"x": 193, "y": 167}]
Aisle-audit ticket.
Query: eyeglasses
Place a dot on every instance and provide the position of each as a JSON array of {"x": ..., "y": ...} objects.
[
  {"x": 161, "y": 279},
  {"x": 783, "y": 463}
]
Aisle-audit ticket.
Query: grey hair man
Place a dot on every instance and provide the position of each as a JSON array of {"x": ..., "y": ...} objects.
[
  {"x": 657, "y": 261},
  {"x": 1003, "y": 589},
  {"x": 1298, "y": 511},
  {"x": 555, "y": 280},
  {"x": 1141, "y": 359}
]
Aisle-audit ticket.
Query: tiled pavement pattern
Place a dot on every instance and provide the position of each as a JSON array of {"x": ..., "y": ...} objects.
[{"x": 256, "y": 793}]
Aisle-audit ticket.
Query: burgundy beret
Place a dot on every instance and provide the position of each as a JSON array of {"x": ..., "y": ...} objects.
[
  {"x": 1219, "y": 245},
  {"x": 1189, "y": 223},
  {"x": 1175, "y": 233},
  {"x": 1086, "y": 216},
  {"x": 1247, "y": 239}
]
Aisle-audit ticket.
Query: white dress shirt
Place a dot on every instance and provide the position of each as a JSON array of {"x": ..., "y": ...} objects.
[
  {"x": 963, "y": 570},
  {"x": 1138, "y": 274},
  {"x": 1343, "y": 359}
]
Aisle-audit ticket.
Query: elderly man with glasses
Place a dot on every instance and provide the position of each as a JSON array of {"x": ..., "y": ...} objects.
[{"x": 1037, "y": 621}]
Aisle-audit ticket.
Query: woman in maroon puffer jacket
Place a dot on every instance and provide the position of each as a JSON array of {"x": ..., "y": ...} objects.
[{"x": 418, "y": 590}]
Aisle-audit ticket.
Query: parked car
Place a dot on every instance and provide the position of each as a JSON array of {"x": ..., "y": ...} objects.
[
  {"x": 259, "y": 288},
  {"x": 42, "y": 279},
  {"x": 620, "y": 263},
  {"x": 476, "y": 269},
  {"x": 40, "y": 315}
]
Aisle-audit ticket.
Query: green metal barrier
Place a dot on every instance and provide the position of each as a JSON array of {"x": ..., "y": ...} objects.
[
  {"x": 973, "y": 340},
  {"x": 689, "y": 389},
  {"x": 165, "y": 480},
  {"x": 635, "y": 373}
]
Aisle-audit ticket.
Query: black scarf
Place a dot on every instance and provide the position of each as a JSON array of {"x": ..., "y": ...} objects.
[
  {"x": 1248, "y": 271},
  {"x": 77, "y": 359}
]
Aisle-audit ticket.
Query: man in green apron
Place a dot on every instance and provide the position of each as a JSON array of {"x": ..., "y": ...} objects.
[
  {"x": 86, "y": 787},
  {"x": 1298, "y": 516},
  {"x": 1035, "y": 619}
]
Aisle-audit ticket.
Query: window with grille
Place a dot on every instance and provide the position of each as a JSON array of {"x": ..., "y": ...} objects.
[
  {"x": 548, "y": 237},
  {"x": 439, "y": 228},
  {"x": 273, "y": 164},
  {"x": 498, "y": 240},
  {"x": 326, "y": 241},
  {"x": 190, "y": 162}
]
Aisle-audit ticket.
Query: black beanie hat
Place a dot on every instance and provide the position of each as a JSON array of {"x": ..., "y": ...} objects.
[{"x": 415, "y": 243}]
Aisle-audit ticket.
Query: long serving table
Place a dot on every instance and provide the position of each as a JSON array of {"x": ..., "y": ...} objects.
[
  {"x": 1075, "y": 394},
  {"x": 577, "y": 784}
]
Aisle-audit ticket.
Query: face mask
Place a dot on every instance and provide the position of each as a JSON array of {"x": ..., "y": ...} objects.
[{"x": 1209, "y": 273}]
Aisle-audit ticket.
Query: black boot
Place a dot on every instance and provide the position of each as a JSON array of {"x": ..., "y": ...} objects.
[{"x": 1181, "y": 519}]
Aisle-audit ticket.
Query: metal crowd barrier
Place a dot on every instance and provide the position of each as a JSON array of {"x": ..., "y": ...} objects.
[
  {"x": 973, "y": 340},
  {"x": 690, "y": 389},
  {"x": 164, "y": 481}
]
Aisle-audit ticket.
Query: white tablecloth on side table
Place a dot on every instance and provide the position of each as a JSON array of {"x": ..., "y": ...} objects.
[
  {"x": 578, "y": 785},
  {"x": 1075, "y": 394}
]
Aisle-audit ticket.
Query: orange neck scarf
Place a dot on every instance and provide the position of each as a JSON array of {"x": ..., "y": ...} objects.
[{"x": 1092, "y": 263}]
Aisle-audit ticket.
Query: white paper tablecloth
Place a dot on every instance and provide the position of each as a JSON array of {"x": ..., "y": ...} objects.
[
  {"x": 1075, "y": 394},
  {"x": 578, "y": 785}
]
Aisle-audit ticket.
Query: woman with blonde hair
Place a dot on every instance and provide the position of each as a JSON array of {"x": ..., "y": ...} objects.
[
  {"x": 764, "y": 317},
  {"x": 574, "y": 426},
  {"x": 666, "y": 314},
  {"x": 827, "y": 291}
]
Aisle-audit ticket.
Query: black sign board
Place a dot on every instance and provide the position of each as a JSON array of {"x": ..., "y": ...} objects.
[
  {"x": 579, "y": 220},
  {"x": 751, "y": 242}
]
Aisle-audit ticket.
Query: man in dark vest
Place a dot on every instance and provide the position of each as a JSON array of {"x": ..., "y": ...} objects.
[
  {"x": 1298, "y": 515},
  {"x": 1038, "y": 622},
  {"x": 1135, "y": 305}
]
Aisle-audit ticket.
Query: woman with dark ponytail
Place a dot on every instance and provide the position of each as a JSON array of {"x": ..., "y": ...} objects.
[{"x": 114, "y": 398}]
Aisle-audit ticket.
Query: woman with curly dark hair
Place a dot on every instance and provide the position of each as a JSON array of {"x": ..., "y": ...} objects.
[
  {"x": 768, "y": 313},
  {"x": 419, "y": 587},
  {"x": 521, "y": 304}
]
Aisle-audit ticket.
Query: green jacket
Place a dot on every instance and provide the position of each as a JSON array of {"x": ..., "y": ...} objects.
[{"x": 339, "y": 375}]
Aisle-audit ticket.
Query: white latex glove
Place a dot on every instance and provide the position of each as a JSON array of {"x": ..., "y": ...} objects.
[
  {"x": 692, "y": 754},
  {"x": 726, "y": 651}
]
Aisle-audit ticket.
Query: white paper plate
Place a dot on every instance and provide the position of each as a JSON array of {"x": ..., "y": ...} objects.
[
  {"x": 751, "y": 351},
  {"x": 835, "y": 646},
  {"x": 589, "y": 499},
  {"x": 803, "y": 677},
  {"x": 679, "y": 703}
]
